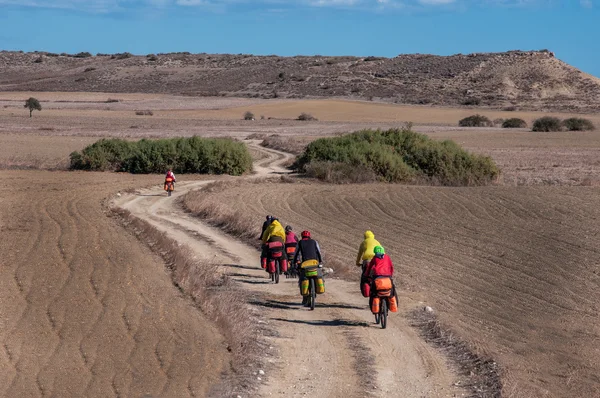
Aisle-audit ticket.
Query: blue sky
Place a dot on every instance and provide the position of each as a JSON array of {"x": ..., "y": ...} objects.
[{"x": 570, "y": 28}]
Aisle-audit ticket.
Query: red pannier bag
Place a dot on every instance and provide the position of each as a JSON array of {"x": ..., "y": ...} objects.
[
  {"x": 276, "y": 253},
  {"x": 365, "y": 286}
]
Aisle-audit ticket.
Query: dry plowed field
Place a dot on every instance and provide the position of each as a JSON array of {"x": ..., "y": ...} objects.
[
  {"x": 85, "y": 310},
  {"x": 514, "y": 271}
]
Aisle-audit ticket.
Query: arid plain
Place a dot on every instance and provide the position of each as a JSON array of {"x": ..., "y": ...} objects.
[{"x": 511, "y": 269}]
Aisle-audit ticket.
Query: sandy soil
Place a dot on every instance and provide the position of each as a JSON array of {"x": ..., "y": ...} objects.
[
  {"x": 323, "y": 353},
  {"x": 85, "y": 310},
  {"x": 512, "y": 270}
]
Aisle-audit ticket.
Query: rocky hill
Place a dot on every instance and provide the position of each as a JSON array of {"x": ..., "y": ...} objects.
[{"x": 534, "y": 80}]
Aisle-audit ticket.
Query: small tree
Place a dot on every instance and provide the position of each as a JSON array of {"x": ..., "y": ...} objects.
[
  {"x": 248, "y": 116},
  {"x": 33, "y": 104}
]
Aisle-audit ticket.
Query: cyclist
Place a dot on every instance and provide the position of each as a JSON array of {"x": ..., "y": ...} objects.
[
  {"x": 381, "y": 267},
  {"x": 273, "y": 233},
  {"x": 170, "y": 178},
  {"x": 365, "y": 254},
  {"x": 365, "y": 250},
  {"x": 264, "y": 247},
  {"x": 291, "y": 242},
  {"x": 307, "y": 252}
]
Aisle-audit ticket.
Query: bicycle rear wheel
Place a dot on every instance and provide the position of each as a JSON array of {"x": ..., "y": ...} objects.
[
  {"x": 313, "y": 294},
  {"x": 383, "y": 313}
]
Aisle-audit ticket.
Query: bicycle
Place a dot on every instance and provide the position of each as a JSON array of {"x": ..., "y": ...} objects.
[
  {"x": 277, "y": 261},
  {"x": 311, "y": 274},
  {"x": 383, "y": 291},
  {"x": 169, "y": 185}
]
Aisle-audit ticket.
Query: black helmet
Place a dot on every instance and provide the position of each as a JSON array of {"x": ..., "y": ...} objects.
[
  {"x": 269, "y": 218},
  {"x": 288, "y": 228}
]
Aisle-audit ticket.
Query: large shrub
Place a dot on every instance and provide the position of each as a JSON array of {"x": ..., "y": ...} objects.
[
  {"x": 184, "y": 155},
  {"x": 394, "y": 156},
  {"x": 514, "y": 123},
  {"x": 547, "y": 123},
  {"x": 475, "y": 121},
  {"x": 578, "y": 124}
]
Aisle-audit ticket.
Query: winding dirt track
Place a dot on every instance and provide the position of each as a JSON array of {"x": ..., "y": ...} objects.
[
  {"x": 334, "y": 351},
  {"x": 85, "y": 310}
]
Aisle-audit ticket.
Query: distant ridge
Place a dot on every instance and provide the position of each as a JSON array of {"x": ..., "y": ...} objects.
[{"x": 532, "y": 80}]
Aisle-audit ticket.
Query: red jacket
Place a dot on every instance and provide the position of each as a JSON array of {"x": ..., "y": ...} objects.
[
  {"x": 380, "y": 267},
  {"x": 290, "y": 238},
  {"x": 170, "y": 175}
]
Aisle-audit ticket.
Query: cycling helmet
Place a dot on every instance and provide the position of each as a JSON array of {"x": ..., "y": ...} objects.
[
  {"x": 269, "y": 218},
  {"x": 305, "y": 234},
  {"x": 379, "y": 250},
  {"x": 288, "y": 228}
]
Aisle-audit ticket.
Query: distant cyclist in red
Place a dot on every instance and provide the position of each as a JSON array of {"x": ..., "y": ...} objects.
[{"x": 170, "y": 175}]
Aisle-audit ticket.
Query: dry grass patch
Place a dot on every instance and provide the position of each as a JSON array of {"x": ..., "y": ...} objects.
[
  {"x": 289, "y": 144},
  {"x": 220, "y": 215},
  {"x": 480, "y": 375},
  {"x": 217, "y": 296}
]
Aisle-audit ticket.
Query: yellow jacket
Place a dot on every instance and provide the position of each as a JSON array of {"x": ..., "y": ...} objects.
[
  {"x": 365, "y": 251},
  {"x": 275, "y": 229}
]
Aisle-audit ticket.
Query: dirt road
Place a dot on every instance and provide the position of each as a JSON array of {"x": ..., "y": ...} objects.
[{"x": 334, "y": 351}]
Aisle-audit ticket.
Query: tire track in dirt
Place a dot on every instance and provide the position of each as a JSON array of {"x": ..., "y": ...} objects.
[
  {"x": 85, "y": 310},
  {"x": 314, "y": 346}
]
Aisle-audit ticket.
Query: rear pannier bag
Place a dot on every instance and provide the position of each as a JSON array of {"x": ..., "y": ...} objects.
[
  {"x": 383, "y": 284},
  {"x": 365, "y": 286}
]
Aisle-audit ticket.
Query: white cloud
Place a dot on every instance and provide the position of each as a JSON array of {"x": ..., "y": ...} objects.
[
  {"x": 191, "y": 2},
  {"x": 436, "y": 2},
  {"x": 108, "y": 6}
]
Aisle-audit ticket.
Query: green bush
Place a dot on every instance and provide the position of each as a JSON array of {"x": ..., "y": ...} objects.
[
  {"x": 547, "y": 123},
  {"x": 475, "y": 121},
  {"x": 578, "y": 124},
  {"x": 395, "y": 156},
  {"x": 340, "y": 173},
  {"x": 84, "y": 54},
  {"x": 124, "y": 55},
  {"x": 248, "y": 115},
  {"x": 471, "y": 101},
  {"x": 184, "y": 155},
  {"x": 514, "y": 123}
]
